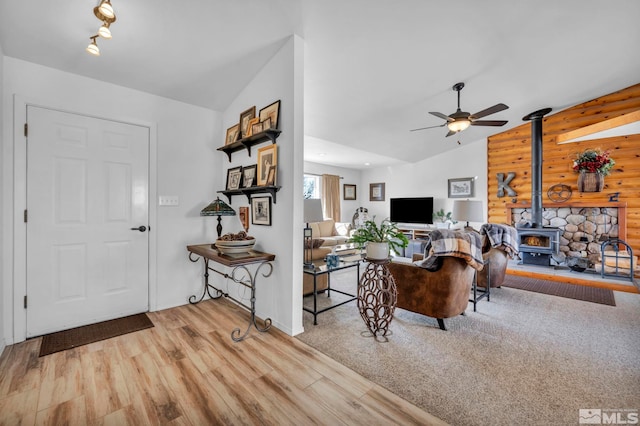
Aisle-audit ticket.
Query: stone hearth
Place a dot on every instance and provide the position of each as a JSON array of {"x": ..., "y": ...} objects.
[{"x": 582, "y": 229}]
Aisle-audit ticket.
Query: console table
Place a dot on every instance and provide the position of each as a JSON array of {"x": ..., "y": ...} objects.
[{"x": 239, "y": 274}]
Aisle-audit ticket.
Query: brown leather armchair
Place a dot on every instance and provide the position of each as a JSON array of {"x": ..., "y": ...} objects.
[
  {"x": 496, "y": 269},
  {"x": 440, "y": 294},
  {"x": 499, "y": 244}
]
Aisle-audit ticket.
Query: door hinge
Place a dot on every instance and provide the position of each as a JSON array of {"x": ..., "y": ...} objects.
[
  {"x": 25, "y": 215},
  {"x": 25, "y": 301},
  {"x": 26, "y": 129}
]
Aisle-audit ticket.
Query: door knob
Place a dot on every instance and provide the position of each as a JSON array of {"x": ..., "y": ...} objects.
[{"x": 140, "y": 228}]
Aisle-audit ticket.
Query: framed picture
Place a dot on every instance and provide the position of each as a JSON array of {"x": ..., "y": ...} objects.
[
  {"x": 376, "y": 191},
  {"x": 267, "y": 157},
  {"x": 261, "y": 211},
  {"x": 232, "y": 134},
  {"x": 234, "y": 175},
  {"x": 249, "y": 176},
  {"x": 272, "y": 112},
  {"x": 461, "y": 188},
  {"x": 243, "y": 213},
  {"x": 245, "y": 117},
  {"x": 251, "y": 126},
  {"x": 271, "y": 176},
  {"x": 256, "y": 128},
  {"x": 266, "y": 124},
  {"x": 348, "y": 192}
]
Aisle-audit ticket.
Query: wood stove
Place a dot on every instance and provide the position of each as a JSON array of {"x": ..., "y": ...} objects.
[{"x": 537, "y": 245}]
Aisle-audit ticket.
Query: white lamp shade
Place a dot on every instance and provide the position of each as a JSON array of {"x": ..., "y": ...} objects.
[
  {"x": 106, "y": 9},
  {"x": 468, "y": 211},
  {"x": 93, "y": 49},
  {"x": 458, "y": 125},
  {"x": 104, "y": 31},
  {"x": 313, "y": 210}
]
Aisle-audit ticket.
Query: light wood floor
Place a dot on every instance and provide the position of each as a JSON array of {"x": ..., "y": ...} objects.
[{"x": 186, "y": 370}]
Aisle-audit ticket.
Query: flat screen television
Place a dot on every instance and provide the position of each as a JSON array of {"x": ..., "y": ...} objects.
[{"x": 411, "y": 210}]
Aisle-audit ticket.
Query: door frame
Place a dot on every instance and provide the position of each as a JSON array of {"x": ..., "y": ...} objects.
[{"x": 19, "y": 240}]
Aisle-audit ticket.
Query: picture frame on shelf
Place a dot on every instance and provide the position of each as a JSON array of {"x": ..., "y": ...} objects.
[
  {"x": 271, "y": 176},
  {"x": 249, "y": 176},
  {"x": 256, "y": 127},
  {"x": 348, "y": 192},
  {"x": 245, "y": 117},
  {"x": 267, "y": 157},
  {"x": 243, "y": 214},
  {"x": 251, "y": 126},
  {"x": 232, "y": 134},
  {"x": 376, "y": 191},
  {"x": 234, "y": 176},
  {"x": 266, "y": 124},
  {"x": 461, "y": 188},
  {"x": 261, "y": 211},
  {"x": 272, "y": 112}
]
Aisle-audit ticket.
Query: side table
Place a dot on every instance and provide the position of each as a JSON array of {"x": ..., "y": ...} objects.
[
  {"x": 240, "y": 274},
  {"x": 377, "y": 296}
]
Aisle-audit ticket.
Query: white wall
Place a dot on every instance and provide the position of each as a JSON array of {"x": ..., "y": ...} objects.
[
  {"x": 278, "y": 296},
  {"x": 428, "y": 178},
  {"x": 349, "y": 176},
  {"x": 186, "y": 162}
]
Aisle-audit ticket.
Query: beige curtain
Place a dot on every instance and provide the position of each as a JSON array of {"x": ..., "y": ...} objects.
[{"x": 331, "y": 197}]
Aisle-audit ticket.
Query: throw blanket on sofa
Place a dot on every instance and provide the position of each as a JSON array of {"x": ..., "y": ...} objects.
[
  {"x": 503, "y": 237},
  {"x": 466, "y": 245}
]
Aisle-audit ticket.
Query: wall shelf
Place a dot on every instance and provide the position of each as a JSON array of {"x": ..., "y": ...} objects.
[
  {"x": 252, "y": 190},
  {"x": 248, "y": 142}
]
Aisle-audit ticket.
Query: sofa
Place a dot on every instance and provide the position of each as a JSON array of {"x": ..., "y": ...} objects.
[{"x": 333, "y": 233}]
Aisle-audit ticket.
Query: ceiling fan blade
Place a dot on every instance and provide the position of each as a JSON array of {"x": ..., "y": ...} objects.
[
  {"x": 430, "y": 127},
  {"x": 489, "y": 123},
  {"x": 488, "y": 111},
  {"x": 441, "y": 115},
  {"x": 451, "y": 133}
]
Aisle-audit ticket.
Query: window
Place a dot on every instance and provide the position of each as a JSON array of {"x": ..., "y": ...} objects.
[{"x": 311, "y": 186}]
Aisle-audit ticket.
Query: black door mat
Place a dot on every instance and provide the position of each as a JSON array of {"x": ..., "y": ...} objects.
[
  {"x": 67, "y": 339},
  {"x": 571, "y": 291}
]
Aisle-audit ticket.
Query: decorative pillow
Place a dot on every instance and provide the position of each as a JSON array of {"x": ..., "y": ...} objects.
[{"x": 315, "y": 243}]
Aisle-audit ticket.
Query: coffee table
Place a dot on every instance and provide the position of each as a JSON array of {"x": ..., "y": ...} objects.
[{"x": 321, "y": 268}]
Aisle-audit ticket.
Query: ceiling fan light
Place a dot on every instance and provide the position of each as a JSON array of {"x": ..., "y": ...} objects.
[
  {"x": 93, "y": 47},
  {"x": 104, "y": 31},
  {"x": 458, "y": 125},
  {"x": 106, "y": 9}
]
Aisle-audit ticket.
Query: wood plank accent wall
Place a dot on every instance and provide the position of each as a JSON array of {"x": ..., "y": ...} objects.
[{"x": 510, "y": 151}]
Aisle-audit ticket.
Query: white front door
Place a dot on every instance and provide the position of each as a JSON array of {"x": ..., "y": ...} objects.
[{"x": 87, "y": 186}]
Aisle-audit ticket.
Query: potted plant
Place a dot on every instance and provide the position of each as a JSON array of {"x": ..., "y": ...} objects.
[
  {"x": 378, "y": 239},
  {"x": 443, "y": 220}
]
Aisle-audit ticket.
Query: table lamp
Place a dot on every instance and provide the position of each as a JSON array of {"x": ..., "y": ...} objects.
[
  {"x": 468, "y": 210},
  {"x": 218, "y": 208},
  {"x": 312, "y": 213}
]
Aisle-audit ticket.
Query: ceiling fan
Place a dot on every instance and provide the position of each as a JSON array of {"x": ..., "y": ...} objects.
[{"x": 460, "y": 120}]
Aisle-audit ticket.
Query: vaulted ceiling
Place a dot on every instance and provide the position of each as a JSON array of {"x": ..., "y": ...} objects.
[{"x": 373, "y": 70}]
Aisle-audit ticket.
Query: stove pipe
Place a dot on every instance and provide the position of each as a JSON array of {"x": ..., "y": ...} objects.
[{"x": 536, "y": 165}]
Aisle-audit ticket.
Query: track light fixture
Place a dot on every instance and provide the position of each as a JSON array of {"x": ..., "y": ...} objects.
[
  {"x": 93, "y": 46},
  {"x": 104, "y": 12}
]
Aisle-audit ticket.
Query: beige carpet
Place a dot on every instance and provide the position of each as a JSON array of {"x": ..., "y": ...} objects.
[{"x": 523, "y": 359}]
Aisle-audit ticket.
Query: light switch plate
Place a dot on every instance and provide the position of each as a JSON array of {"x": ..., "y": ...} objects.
[{"x": 168, "y": 200}]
